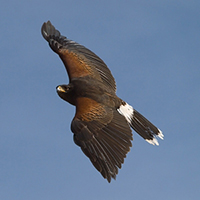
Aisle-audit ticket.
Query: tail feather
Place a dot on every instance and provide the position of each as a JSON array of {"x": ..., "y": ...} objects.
[
  {"x": 145, "y": 128},
  {"x": 140, "y": 124}
]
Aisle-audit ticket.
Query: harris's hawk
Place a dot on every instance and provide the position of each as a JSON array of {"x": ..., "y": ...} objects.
[{"x": 102, "y": 121}]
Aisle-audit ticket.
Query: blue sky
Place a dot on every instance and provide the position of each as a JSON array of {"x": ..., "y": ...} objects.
[{"x": 152, "y": 49}]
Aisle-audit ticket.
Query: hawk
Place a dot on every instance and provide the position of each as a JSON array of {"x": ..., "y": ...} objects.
[{"x": 102, "y": 122}]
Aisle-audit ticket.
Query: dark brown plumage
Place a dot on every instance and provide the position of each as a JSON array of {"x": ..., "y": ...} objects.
[{"x": 102, "y": 121}]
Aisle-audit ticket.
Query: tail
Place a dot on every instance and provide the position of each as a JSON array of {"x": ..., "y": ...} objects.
[{"x": 140, "y": 124}]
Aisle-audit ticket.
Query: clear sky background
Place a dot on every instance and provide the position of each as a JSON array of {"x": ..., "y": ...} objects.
[{"x": 153, "y": 51}]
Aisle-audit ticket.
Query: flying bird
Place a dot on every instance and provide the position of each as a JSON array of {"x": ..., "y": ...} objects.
[{"x": 102, "y": 122}]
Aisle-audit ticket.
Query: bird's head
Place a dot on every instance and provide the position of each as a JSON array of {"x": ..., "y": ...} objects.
[{"x": 66, "y": 93}]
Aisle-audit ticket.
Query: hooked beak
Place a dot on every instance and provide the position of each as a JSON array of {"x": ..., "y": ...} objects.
[{"x": 60, "y": 89}]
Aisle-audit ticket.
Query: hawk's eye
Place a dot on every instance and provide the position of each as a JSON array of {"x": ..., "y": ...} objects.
[{"x": 68, "y": 87}]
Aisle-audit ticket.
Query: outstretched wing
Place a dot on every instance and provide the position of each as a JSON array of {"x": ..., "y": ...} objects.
[
  {"x": 78, "y": 60},
  {"x": 103, "y": 135}
]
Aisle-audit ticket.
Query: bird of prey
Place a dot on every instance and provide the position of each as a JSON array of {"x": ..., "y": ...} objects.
[{"x": 102, "y": 122}]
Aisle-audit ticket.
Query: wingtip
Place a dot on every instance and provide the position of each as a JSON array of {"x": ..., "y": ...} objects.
[
  {"x": 48, "y": 30},
  {"x": 44, "y": 30}
]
